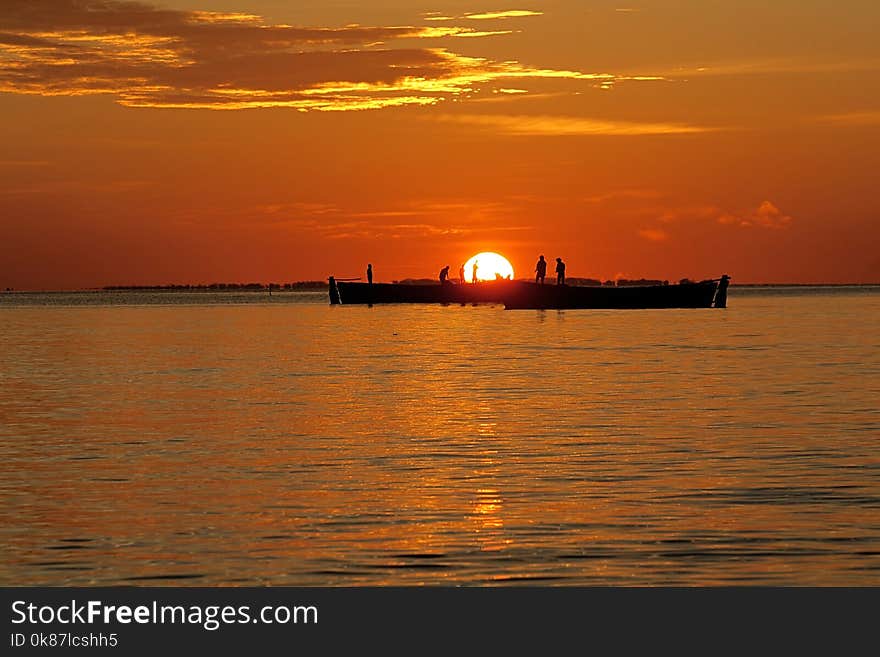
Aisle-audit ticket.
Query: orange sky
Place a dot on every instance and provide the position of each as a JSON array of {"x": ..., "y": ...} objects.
[{"x": 235, "y": 140}]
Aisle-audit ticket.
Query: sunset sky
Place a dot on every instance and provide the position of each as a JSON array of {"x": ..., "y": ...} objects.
[{"x": 199, "y": 141}]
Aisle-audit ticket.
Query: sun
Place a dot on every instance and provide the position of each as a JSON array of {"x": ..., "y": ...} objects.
[{"x": 489, "y": 267}]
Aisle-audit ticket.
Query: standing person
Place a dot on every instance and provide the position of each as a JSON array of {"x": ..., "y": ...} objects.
[
  {"x": 461, "y": 274},
  {"x": 560, "y": 272},
  {"x": 444, "y": 275},
  {"x": 369, "y": 274},
  {"x": 540, "y": 270},
  {"x": 474, "y": 280}
]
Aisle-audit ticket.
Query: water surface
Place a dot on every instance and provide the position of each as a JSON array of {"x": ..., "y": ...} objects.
[{"x": 230, "y": 438}]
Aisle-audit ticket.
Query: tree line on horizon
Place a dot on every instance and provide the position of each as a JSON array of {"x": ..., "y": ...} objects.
[
  {"x": 322, "y": 285},
  {"x": 299, "y": 285}
]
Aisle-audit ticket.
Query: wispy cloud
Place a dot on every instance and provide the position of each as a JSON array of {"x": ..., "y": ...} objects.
[
  {"x": 657, "y": 217},
  {"x": 147, "y": 56},
  {"x": 509, "y": 13},
  {"x": 674, "y": 222},
  {"x": 623, "y": 195},
  {"x": 654, "y": 234},
  {"x": 297, "y": 208},
  {"x": 365, "y": 226},
  {"x": 423, "y": 218},
  {"x": 24, "y": 163},
  {"x": 766, "y": 215},
  {"x": 570, "y": 126},
  {"x": 486, "y": 15},
  {"x": 50, "y": 187},
  {"x": 772, "y": 66},
  {"x": 852, "y": 119}
]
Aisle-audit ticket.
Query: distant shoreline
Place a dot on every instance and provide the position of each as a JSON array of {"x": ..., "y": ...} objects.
[{"x": 321, "y": 286}]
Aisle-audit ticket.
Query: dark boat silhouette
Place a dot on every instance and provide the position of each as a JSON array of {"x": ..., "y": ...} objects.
[
  {"x": 703, "y": 294},
  {"x": 521, "y": 295}
]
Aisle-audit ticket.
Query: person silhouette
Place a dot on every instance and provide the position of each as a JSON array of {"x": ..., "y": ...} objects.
[
  {"x": 461, "y": 273},
  {"x": 475, "y": 272},
  {"x": 369, "y": 274},
  {"x": 540, "y": 270},
  {"x": 444, "y": 275},
  {"x": 560, "y": 272}
]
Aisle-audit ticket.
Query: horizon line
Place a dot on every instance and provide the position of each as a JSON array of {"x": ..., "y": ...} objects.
[{"x": 253, "y": 286}]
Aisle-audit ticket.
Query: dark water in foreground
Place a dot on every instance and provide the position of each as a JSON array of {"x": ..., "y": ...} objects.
[{"x": 236, "y": 439}]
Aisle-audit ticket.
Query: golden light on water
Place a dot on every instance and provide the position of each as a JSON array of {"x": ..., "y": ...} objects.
[{"x": 490, "y": 266}]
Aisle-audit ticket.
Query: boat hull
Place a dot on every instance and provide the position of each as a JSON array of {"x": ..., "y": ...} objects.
[
  {"x": 370, "y": 293},
  {"x": 558, "y": 297},
  {"x": 519, "y": 295}
]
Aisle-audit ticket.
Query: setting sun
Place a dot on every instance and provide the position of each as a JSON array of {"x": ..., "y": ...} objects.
[{"x": 489, "y": 267}]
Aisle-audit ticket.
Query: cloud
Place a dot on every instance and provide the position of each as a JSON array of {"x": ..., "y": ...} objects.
[
  {"x": 364, "y": 225},
  {"x": 654, "y": 234},
  {"x": 772, "y": 66},
  {"x": 623, "y": 195},
  {"x": 680, "y": 220},
  {"x": 510, "y": 13},
  {"x": 50, "y": 187},
  {"x": 146, "y": 56},
  {"x": 416, "y": 219},
  {"x": 24, "y": 163},
  {"x": 527, "y": 125},
  {"x": 300, "y": 208},
  {"x": 851, "y": 119},
  {"x": 487, "y": 15},
  {"x": 769, "y": 216},
  {"x": 691, "y": 213},
  {"x": 657, "y": 217},
  {"x": 766, "y": 215}
]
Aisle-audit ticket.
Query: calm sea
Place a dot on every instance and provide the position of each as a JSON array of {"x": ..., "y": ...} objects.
[{"x": 211, "y": 438}]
